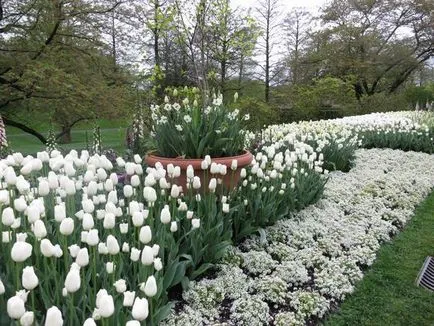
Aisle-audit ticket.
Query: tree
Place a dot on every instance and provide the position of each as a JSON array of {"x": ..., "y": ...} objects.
[
  {"x": 379, "y": 44},
  {"x": 38, "y": 40},
  {"x": 298, "y": 29},
  {"x": 269, "y": 22}
]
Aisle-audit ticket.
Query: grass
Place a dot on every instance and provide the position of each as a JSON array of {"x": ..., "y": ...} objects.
[
  {"x": 388, "y": 295},
  {"x": 113, "y": 135}
]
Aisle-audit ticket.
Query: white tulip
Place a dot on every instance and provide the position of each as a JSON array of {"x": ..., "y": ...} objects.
[
  {"x": 27, "y": 319},
  {"x": 47, "y": 248},
  {"x": 21, "y": 251},
  {"x": 73, "y": 280},
  {"x": 150, "y": 288},
  {"x": 133, "y": 323},
  {"x": 106, "y": 306},
  {"x": 59, "y": 213},
  {"x": 15, "y": 307},
  {"x": 196, "y": 183},
  {"x": 73, "y": 250},
  {"x": 234, "y": 165},
  {"x": 82, "y": 258},
  {"x": 88, "y": 206},
  {"x": 165, "y": 215},
  {"x": 140, "y": 309},
  {"x": 129, "y": 168},
  {"x": 20, "y": 204},
  {"x": 212, "y": 184},
  {"x": 173, "y": 226},
  {"x": 67, "y": 226},
  {"x": 123, "y": 228},
  {"x": 33, "y": 213},
  {"x": 147, "y": 256},
  {"x": 137, "y": 219},
  {"x": 195, "y": 223},
  {"x": 128, "y": 191},
  {"x": 125, "y": 247},
  {"x": 109, "y": 221},
  {"x": 120, "y": 286},
  {"x": 149, "y": 194},
  {"x": 6, "y": 236},
  {"x": 135, "y": 180},
  {"x": 29, "y": 279},
  {"x": 145, "y": 235},
  {"x": 112, "y": 245},
  {"x": 158, "y": 265},
  {"x": 135, "y": 254},
  {"x": 89, "y": 322},
  {"x": 109, "y": 267},
  {"x": 129, "y": 297},
  {"x": 87, "y": 222},
  {"x": 8, "y": 216},
  {"x": 54, "y": 317},
  {"x": 2, "y": 288},
  {"x": 92, "y": 238},
  {"x": 155, "y": 250}
]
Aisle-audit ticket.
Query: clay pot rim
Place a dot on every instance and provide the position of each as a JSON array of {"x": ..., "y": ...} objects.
[{"x": 242, "y": 159}]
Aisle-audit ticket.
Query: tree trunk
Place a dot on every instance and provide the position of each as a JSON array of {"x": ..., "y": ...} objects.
[{"x": 66, "y": 137}]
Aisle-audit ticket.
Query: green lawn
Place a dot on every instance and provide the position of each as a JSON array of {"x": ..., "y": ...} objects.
[
  {"x": 388, "y": 294},
  {"x": 112, "y": 134}
]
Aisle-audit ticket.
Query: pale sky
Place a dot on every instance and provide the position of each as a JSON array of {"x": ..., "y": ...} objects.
[{"x": 312, "y": 5}]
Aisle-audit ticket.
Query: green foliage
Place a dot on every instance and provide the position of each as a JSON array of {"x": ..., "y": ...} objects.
[
  {"x": 327, "y": 98},
  {"x": 190, "y": 131},
  {"x": 51, "y": 144},
  {"x": 260, "y": 113},
  {"x": 419, "y": 95},
  {"x": 382, "y": 102}
]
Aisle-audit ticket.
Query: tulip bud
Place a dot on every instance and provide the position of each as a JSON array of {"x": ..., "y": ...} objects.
[
  {"x": 155, "y": 249},
  {"x": 173, "y": 227},
  {"x": 147, "y": 256},
  {"x": 174, "y": 192},
  {"x": 196, "y": 183},
  {"x": 140, "y": 309},
  {"x": 234, "y": 165},
  {"x": 29, "y": 278},
  {"x": 73, "y": 250},
  {"x": 125, "y": 247},
  {"x": 149, "y": 194},
  {"x": 20, "y": 204},
  {"x": 39, "y": 229}
]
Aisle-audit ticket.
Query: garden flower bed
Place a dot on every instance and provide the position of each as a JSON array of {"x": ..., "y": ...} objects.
[
  {"x": 304, "y": 266},
  {"x": 81, "y": 245}
]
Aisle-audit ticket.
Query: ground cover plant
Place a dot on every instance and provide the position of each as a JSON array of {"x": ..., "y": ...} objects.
[{"x": 117, "y": 242}]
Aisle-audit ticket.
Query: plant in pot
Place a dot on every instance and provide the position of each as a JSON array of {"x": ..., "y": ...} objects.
[{"x": 205, "y": 142}]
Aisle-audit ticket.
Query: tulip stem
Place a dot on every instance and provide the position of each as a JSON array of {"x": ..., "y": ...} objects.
[{"x": 17, "y": 276}]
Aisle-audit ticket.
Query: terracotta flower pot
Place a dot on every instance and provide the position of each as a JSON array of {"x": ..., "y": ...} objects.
[{"x": 230, "y": 180}]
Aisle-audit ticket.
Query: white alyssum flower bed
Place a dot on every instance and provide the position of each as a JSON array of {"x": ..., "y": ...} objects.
[{"x": 310, "y": 262}]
